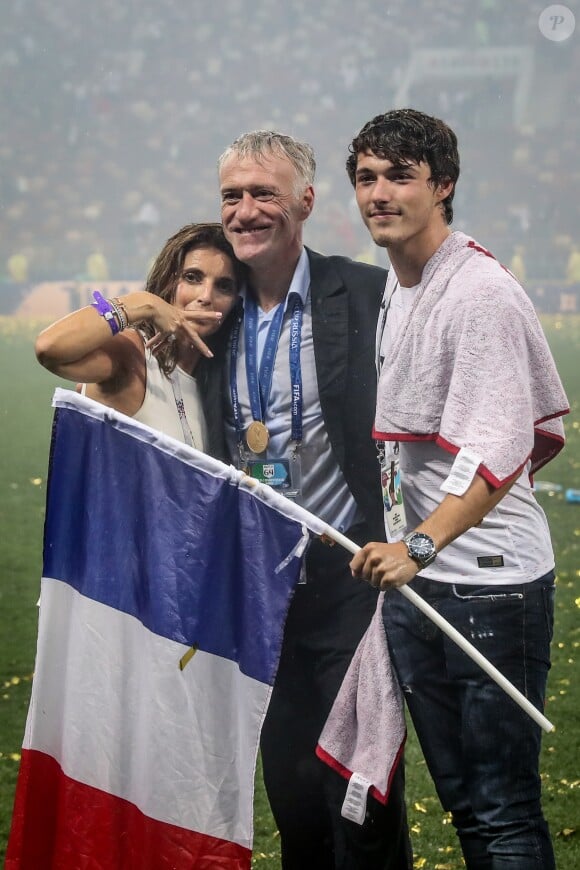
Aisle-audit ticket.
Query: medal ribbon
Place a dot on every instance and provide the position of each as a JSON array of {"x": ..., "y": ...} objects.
[
  {"x": 260, "y": 383},
  {"x": 295, "y": 368}
]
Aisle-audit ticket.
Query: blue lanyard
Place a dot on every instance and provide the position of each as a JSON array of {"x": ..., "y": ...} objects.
[
  {"x": 295, "y": 369},
  {"x": 260, "y": 382}
]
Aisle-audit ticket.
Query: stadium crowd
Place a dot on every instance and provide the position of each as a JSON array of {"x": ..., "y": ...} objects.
[{"x": 114, "y": 114}]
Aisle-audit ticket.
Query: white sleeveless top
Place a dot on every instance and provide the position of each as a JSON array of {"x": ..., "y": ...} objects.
[{"x": 159, "y": 409}]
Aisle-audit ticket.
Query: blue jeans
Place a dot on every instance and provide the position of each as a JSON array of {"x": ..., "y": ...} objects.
[{"x": 481, "y": 749}]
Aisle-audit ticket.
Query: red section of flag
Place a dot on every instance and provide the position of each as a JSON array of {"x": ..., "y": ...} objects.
[{"x": 61, "y": 823}]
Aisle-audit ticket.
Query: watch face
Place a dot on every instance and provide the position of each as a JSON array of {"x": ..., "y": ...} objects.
[
  {"x": 421, "y": 548},
  {"x": 422, "y": 545}
]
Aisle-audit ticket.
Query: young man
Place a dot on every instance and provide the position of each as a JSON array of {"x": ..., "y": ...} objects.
[
  {"x": 468, "y": 405},
  {"x": 299, "y": 399}
]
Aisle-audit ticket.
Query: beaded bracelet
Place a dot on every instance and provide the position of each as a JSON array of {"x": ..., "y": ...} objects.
[
  {"x": 121, "y": 311},
  {"x": 118, "y": 314},
  {"x": 106, "y": 310}
]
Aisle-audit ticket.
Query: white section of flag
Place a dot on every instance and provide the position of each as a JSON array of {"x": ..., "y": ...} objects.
[{"x": 149, "y": 733}]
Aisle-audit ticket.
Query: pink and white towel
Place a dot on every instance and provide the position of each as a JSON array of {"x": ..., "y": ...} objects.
[
  {"x": 365, "y": 733},
  {"x": 471, "y": 367}
]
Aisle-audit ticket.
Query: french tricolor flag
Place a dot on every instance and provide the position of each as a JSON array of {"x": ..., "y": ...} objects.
[{"x": 166, "y": 583}]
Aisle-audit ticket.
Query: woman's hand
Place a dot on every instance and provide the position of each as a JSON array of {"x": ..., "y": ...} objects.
[{"x": 179, "y": 324}]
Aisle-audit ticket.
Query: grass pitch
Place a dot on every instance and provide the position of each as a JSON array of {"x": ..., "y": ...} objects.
[{"x": 26, "y": 414}]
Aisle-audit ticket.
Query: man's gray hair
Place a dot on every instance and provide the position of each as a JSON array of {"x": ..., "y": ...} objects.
[{"x": 262, "y": 143}]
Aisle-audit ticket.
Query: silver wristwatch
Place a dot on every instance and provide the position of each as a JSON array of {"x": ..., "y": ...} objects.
[{"x": 421, "y": 547}]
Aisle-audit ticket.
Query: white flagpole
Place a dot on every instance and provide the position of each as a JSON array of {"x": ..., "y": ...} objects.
[
  {"x": 459, "y": 639},
  {"x": 70, "y": 399},
  {"x": 321, "y": 528}
]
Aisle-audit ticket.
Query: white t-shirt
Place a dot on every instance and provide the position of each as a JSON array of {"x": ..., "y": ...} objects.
[{"x": 512, "y": 544}]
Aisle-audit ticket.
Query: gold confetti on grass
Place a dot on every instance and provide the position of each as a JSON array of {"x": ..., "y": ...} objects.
[
  {"x": 16, "y": 680},
  {"x": 421, "y": 808}
]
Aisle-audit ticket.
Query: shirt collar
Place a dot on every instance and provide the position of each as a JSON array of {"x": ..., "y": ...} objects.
[{"x": 299, "y": 284}]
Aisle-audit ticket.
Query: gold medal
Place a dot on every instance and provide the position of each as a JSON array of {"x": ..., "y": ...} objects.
[{"x": 257, "y": 437}]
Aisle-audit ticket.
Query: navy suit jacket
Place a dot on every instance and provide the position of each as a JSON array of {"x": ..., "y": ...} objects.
[{"x": 346, "y": 297}]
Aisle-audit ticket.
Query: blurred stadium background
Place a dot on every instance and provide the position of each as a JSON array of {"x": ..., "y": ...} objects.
[{"x": 112, "y": 116}]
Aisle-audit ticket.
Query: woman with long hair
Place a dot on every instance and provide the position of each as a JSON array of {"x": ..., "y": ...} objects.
[{"x": 138, "y": 353}]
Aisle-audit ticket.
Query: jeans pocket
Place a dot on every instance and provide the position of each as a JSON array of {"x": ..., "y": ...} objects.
[{"x": 549, "y": 593}]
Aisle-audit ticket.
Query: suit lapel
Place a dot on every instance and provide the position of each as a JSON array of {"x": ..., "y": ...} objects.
[{"x": 330, "y": 334}]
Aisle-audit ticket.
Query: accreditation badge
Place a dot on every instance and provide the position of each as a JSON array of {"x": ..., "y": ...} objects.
[
  {"x": 393, "y": 505},
  {"x": 283, "y": 475},
  {"x": 274, "y": 472}
]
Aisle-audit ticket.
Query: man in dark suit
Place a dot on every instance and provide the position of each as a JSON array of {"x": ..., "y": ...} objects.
[{"x": 299, "y": 388}]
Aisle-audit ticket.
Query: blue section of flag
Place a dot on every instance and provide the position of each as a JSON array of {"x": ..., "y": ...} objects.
[{"x": 190, "y": 555}]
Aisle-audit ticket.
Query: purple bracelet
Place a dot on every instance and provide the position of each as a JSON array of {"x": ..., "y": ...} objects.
[{"x": 105, "y": 309}]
